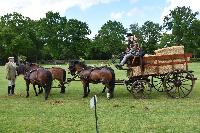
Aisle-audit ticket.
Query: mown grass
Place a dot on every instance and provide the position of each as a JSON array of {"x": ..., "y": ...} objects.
[{"x": 70, "y": 113}]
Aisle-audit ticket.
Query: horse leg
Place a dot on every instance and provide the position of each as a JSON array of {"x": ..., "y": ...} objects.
[
  {"x": 62, "y": 86},
  {"x": 27, "y": 89},
  {"x": 47, "y": 90},
  {"x": 88, "y": 89},
  {"x": 40, "y": 89},
  {"x": 85, "y": 87},
  {"x": 110, "y": 91},
  {"x": 104, "y": 89},
  {"x": 36, "y": 94}
]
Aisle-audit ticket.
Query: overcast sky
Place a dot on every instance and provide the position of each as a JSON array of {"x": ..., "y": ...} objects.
[{"x": 97, "y": 12}]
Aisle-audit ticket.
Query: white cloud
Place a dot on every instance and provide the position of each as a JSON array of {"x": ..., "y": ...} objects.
[
  {"x": 133, "y": 12},
  {"x": 117, "y": 15},
  {"x": 36, "y": 9},
  {"x": 171, "y": 4}
]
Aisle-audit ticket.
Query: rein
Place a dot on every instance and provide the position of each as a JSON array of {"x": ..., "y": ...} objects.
[{"x": 27, "y": 75}]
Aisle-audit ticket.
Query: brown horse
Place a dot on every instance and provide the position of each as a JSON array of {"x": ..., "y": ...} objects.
[
  {"x": 37, "y": 76},
  {"x": 57, "y": 73},
  {"x": 104, "y": 75},
  {"x": 60, "y": 75}
]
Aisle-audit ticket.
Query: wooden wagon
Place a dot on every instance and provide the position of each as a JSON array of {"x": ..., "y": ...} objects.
[{"x": 167, "y": 73}]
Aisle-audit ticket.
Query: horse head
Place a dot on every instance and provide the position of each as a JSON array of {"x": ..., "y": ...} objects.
[
  {"x": 21, "y": 69},
  {"x": 76, "y": 66}
]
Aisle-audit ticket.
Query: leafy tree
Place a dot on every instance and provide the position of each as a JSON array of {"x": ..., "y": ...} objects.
[
  {"x": 77, "y": 41},
  {"x": 110, "y": 39},
  {"x": 63, "y": 38},
  {"x": 167, "y": 40},
  {"x": 14, "y": 36},
  {"x": 136, "y": 30},
  {"x": 195, "y": 37},
  {"x": 51, "y": 32},
  {"x": 151, "y": 34},
  {"x": 179, "y": 22}
]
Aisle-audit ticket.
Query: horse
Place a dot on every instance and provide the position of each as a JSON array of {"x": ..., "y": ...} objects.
[
  {"x": 37, "y": 76},
  {"x": 57, "y": 73},
  {"x": 60, "y": 75},
  {"x": 87, "y": 74}
]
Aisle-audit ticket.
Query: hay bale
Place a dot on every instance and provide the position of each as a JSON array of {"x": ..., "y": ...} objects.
[
  {"x": 134, "y": 71},
  {"x": 170, "y": 50},
  {"x": 163, "y": 69}
]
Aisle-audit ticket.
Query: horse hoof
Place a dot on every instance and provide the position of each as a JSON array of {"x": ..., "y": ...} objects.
[
  {"x": 27, "y": 96},
  {"x": 36, "y": 95},
  {"x": 62, "y": 92},
  {"x": 84, "y": 96}
]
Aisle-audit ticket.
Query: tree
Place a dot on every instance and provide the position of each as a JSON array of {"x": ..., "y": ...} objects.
[
  {"x": 136, "y": 30},
  {"x": 179, "y": 22},
  {"x": 167, "y": 40},
  {"x": 77, "y": 41},
  {"x": 51, "y": 31},
  {"x": 195, "y": 32},
  {"x": 151, "y": 34},
  {"x": 110, "y": 39},
  {"x": 14, "y": 36},
  {"x": 63, "y": 38}
]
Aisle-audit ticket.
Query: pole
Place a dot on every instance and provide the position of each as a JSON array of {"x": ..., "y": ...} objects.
[{"x": 95, "y": 107}]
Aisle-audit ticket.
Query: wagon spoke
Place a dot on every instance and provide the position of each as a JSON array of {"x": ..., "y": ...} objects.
[
  {"x": 186, "y": 84},
  {"x": 172, "y": 87},
  {"x": 182, "y": 91},
  {"x": 179, "y": 94},
  {"x": 185, "y": 88},
  {"x": 185, "y": 80}
]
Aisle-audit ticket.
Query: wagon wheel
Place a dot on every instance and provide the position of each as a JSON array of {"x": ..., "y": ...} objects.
[
  {"x": 157, "y": 82},
  {"x": 141, "y": 89},
  {"x": 179, "y": 83}
]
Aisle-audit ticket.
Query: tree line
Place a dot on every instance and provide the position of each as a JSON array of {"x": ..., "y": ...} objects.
[{"x": 55, "y": 37}]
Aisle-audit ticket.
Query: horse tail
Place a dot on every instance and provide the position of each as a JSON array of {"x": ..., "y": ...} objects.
[
  {"x": 64, "y": 75},
  {"x": 50, "y": 80},
  {"x": 112, "y": 82},
  {"x": 49, "y": 84}
]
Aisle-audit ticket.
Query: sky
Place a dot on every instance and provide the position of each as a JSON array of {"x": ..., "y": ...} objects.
[{"x": 97, "y": 12}]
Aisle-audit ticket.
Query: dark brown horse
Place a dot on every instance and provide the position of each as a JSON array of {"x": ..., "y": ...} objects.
[
  {"x": 37, "y": 76},
  {"x": 104, "y": 75},
  {"x": 60, "y": 75},
  {"x": 57, "y": 74}
]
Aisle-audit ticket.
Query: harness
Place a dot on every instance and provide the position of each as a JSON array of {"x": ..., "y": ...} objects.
[{"x": 27, "y": 75}]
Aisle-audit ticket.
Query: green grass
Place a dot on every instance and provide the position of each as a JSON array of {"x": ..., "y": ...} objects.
[{"x": 70, "y": 113}]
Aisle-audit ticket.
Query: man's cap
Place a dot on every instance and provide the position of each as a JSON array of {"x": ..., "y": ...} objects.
[
  {"x": 129, "y": 34},
  {"x": 10, "y": 57}
]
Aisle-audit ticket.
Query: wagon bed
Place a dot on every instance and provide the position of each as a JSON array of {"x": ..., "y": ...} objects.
[
  {"x": 165, "y": 73},
  {"x": 158, "y": 64}
]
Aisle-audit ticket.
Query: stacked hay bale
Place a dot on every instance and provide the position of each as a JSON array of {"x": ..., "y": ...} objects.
[
  {"x": 136, "y": 71},
  {"x": 170, "y": 51},
  {"x": 163, "y": 69}
]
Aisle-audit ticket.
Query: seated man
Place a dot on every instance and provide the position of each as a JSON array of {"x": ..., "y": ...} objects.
[{"x": 133, "y": 51}]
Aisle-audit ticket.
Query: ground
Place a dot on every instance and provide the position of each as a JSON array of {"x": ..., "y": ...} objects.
[{"x": 70, "y": 112}]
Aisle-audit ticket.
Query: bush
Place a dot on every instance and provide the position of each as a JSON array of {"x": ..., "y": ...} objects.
[{"x": 195, "y": 59}]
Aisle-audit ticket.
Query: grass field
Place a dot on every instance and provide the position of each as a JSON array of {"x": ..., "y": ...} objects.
[{"x": 70, "y": 113}]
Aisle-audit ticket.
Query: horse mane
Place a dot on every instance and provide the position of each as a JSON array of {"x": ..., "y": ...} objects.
[{"x": 81, "y": 63}]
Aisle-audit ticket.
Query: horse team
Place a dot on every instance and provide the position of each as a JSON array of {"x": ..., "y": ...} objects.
[{"x": 43, "y": 77}]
